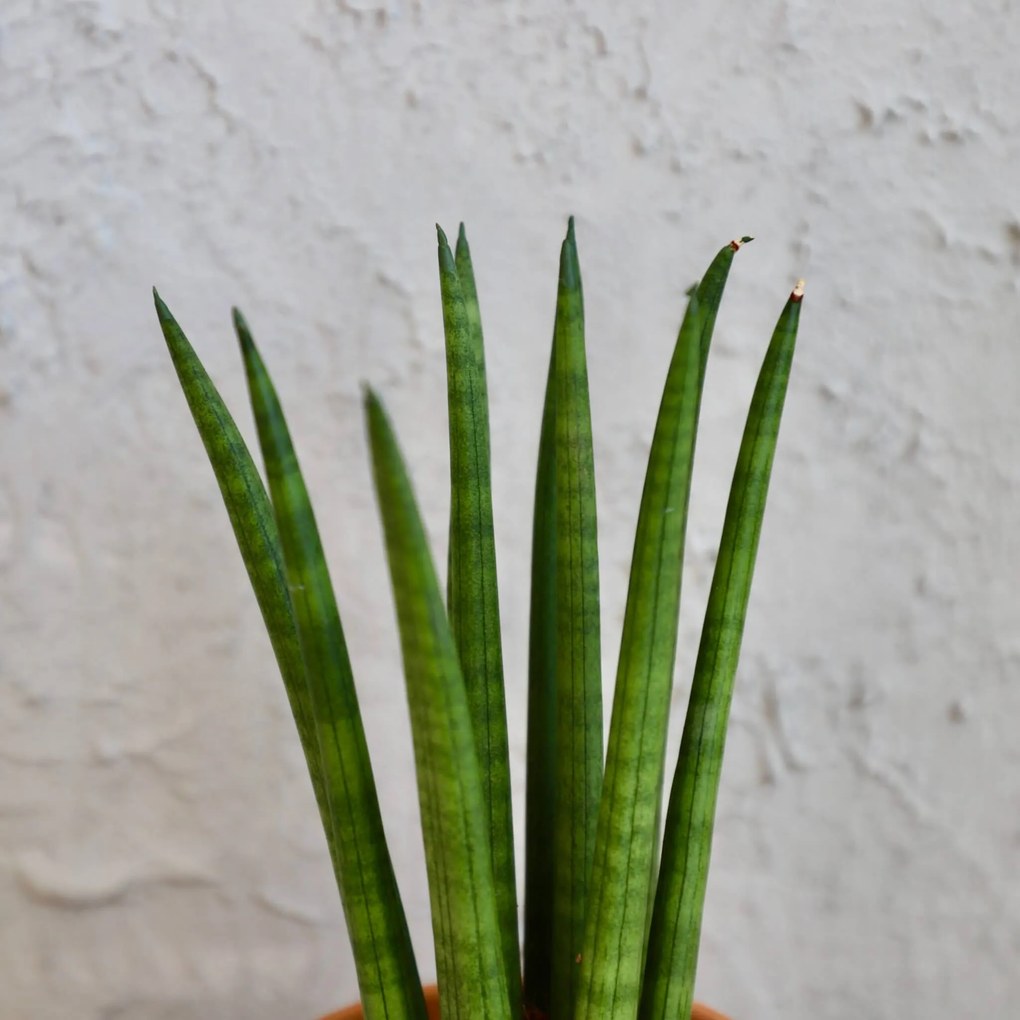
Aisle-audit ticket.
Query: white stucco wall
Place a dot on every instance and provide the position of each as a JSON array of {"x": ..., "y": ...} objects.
[{"x": 160, "y": 855}]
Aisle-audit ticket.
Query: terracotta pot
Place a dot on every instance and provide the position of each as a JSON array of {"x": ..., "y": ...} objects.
[
  {"x": 432, "y": 1003},
  {"x": 354, "y": 1012}
]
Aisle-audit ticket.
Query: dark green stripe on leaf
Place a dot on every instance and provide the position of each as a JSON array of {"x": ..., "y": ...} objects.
[{"x": 541, "y": 767}]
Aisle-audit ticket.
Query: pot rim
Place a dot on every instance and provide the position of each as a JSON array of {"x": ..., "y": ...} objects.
[{"x": 353, "y": 1012}]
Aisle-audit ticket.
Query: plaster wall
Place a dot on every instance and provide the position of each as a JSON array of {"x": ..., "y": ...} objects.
[{"x": 160, "y": 854}]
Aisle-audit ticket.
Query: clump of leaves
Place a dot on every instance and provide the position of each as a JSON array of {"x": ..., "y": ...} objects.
[{"x": 611, "y": 924}]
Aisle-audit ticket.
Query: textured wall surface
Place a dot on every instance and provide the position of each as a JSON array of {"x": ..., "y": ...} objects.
[{"x": 160, "y": 854}]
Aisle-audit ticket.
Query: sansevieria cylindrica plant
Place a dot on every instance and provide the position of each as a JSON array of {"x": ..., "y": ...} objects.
[{"x": 613, "y": 895}]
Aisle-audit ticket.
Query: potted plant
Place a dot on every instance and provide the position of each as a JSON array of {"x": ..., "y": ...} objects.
[{"x": 611, "y": 923}]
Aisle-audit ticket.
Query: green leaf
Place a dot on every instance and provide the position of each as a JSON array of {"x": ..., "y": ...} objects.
[
  {"x": 578, "y": 775},
  {"x": 383, "y": 954},
  {"x": 616, "y": 928},
  {"x": 676, "y": 918},
  {"x": 625, "y": 843},
  {"x": 540, "y": 809},
  {"x": 473, "y": 599},
  {"x": 251, "y": 517},
  {"x": 472, "y": 981},
  {"x": 469, "y": 291},
  {"x": 710, "y": 292}
]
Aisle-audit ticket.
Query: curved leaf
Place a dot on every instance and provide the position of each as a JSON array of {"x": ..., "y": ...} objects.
[
  {"x": 616, "y": 928},
  {"x": 635, "y": 759},
  {"x": 540, "y": 808},
  {"x": 251, "y": 517},
  {"x": 472, "y": 982},
  {"x": 578, "y": 775},
  {"x": 676, "y": 918},
  {"x": 383, "y": 954},
  {"x": 472, "y": 593}
]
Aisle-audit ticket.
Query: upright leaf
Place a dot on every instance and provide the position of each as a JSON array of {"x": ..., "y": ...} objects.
[
  {"x": 539, "y": 871},
  {"x": 251, "y": 517},
  {"x": 676, "y": 918},
  {"x": 472, "y": 981},
  {"x": 469, "y": 291},
  {"x": 617, "y": 917},
  {"x": 383, "y": 954},
  {"x": 616, "y": 927},
  {"x": 473, "y": 599},
  {"x": 710, "y": 292},
  {"x": 578, "y": 775}
]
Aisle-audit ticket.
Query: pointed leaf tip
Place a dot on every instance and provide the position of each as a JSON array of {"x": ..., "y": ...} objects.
[
  {"x": 161, "y": 309},
  {"x": 368, "y": 396},
  {"x": 461, "y": 235},
  {"x": 240, "y": 324},
  {"x": 443, "y": 243},
  {"x": 570, "y": 270}
]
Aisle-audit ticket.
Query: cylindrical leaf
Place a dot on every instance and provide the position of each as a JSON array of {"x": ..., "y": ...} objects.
[
  {"x": 578, "y": 774},
  {"x": 251, "y": 517},
  {"x": 383, "y": 954},
  {"x": 473, "y": 597},
  {"x": 676, "y": 918},
  {"x": 539, "y": 865},
  {"x": 472, "y": 981},
  {"x": 618, "y": 907},
  {"x": 616, "y": 928}
]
